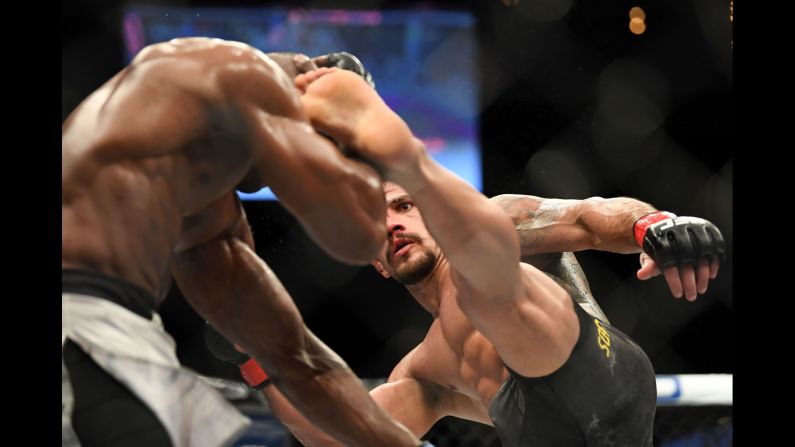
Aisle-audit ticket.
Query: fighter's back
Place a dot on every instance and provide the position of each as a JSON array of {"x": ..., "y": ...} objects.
[{"x": 166, "y": 138}]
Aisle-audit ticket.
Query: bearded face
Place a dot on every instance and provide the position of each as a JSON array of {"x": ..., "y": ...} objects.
[
  {"x": 410, "y": 254},
  {"x": 408, "y": 260}
]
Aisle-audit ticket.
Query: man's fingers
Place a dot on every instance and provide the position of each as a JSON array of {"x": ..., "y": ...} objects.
[
  {"x": 674, "y": 282},
  {"x": 687, "y": 274},
  {"x": 648, "y": 269}
]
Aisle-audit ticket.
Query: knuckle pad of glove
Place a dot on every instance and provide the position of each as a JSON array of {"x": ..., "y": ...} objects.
[
  {"x": 687, "y": 246},
  {"x": 704, "y": 243},
  {"x": 717, "y": 243},
  {"x": 682, "y": 247},
  {"x": 659, "y": 249},
  {"x": 222, "y": 348},
  {"x": 683, "y": 240},
  {"x": 660, "y": 244}
]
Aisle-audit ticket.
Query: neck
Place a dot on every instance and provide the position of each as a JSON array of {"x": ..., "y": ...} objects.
[{"x": 428, "y": 292}]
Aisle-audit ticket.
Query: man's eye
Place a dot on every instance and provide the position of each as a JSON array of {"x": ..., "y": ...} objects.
[{"x": 405, "y": 206}]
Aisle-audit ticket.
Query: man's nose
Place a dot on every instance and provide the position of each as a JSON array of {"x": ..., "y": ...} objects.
[{"x": 394, "y": 225}]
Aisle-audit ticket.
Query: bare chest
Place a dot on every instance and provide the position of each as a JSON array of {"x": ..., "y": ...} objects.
[{"x": 458, "y": 357}]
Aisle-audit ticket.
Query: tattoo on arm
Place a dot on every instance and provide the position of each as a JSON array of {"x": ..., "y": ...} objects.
[
  {"x": 531, "y": 237},
  {"x": 533, "y": 226}
]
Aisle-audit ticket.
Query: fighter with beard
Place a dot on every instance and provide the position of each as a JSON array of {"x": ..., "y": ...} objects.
[{"x": 508, "y": 346}]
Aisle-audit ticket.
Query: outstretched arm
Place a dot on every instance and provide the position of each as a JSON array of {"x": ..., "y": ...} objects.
[
  {"x": 233, "y": 289},
  {"x": 690, "y": 254},
  {"x": 558, "y": 225}
]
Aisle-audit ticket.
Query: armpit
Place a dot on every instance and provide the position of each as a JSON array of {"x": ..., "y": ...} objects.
[{"x": 433, "y": 394}]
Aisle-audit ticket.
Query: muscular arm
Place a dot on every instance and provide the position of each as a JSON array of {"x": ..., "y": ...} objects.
[
  {"x": 305, "y": 431},
  {"x": 556, "y": 225},
  {"x": 408, "y": 401},
  {"x": 419, "y": 403},
  {"x": 416, "y": 403},
  {"x": 230, "y": 286},
  {"x": 232, "y": 118}
]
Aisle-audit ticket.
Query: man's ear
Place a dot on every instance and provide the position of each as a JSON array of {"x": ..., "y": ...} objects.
[{"x": 380, "y": 268}]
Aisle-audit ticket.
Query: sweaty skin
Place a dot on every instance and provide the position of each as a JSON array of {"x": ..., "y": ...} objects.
[{"x": 151, "y": 161}]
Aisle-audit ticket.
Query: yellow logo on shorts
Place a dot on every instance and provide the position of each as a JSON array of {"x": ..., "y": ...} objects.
[{"x": 604, "y": 338}]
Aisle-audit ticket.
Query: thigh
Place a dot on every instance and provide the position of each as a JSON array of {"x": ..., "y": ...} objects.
[
  {"x": 533, "y": 332},
  {"x": 610, "y": 379}
]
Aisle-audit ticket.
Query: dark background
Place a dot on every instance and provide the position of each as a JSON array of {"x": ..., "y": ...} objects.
[{"x": 572, "y": 105}]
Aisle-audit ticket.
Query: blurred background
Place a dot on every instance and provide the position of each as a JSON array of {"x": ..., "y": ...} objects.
[{"x": 555, "y": 98}]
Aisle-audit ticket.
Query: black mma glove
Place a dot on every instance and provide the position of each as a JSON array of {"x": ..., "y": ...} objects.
[{"x": 672, "y": 240}]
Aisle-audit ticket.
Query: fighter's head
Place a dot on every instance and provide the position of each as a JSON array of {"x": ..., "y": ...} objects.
[{"x": 410, "y": 254}]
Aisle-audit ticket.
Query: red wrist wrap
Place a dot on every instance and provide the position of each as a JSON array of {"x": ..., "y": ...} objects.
[{"x": 647, "y": 220}]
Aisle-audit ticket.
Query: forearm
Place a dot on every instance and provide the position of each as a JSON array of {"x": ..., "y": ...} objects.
[
  {"x": 238, "y": 294},
  {"x": 335, "y": 400},
  {"x": 476, "y": 235},
  {"x": 406, "y": 402},
  {"x": 612, "y": 222},
  {"x": 556, "y": 225},
  {"x": 304, "y": 430}
]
